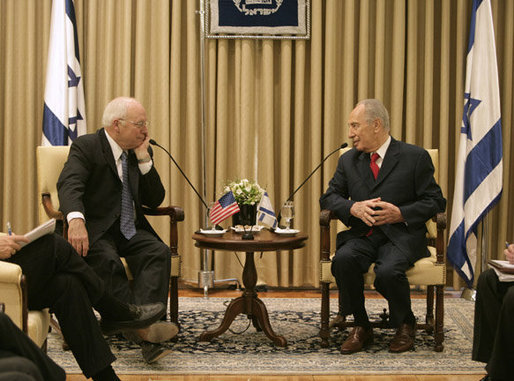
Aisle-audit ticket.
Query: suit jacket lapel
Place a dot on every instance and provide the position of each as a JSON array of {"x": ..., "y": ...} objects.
[
  {"x": 365, "y": 170},
  {"x": 391, "y": 159},
  {"x": 107, "y": 152}
]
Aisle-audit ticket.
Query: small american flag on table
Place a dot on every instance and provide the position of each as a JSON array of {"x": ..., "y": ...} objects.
[{"x": 225, "y": 207}]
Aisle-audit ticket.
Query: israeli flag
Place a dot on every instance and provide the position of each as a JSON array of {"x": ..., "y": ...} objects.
[
  {"x": 478, "y": 180},
  {"x": 64, "y": 116},
  {"x": 265, "y": 213}
]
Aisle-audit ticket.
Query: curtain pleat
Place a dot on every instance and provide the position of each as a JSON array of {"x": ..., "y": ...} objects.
[{"x": 271, "y": 109}]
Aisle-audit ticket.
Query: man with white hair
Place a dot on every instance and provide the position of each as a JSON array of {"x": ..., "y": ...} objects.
[
  {"x": 108, "y": 177},
  {"x": 385, "y": 191}
]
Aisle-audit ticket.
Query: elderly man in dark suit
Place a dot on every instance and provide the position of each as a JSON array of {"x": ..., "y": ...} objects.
[
  {"x": 108, "y": 177},
  {"x": 385, "y": 191}
]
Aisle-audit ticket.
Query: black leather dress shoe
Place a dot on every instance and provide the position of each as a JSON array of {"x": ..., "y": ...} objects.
[
  {"x": 153, "y": 352},
  {"x": 142, "y": 316}
]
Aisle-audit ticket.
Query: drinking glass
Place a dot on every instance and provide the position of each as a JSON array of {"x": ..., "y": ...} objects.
[
  {"x": 287, "y": 213},
  {"x": 210, "y": 225}
]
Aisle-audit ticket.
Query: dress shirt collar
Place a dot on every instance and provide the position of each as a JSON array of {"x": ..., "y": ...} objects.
[
  {"x": 383, "y": 148},
  {"x": 115, "y": 148}
]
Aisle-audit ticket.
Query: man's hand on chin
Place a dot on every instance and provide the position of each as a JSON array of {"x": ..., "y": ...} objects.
[{"x": 142, "y": 150}]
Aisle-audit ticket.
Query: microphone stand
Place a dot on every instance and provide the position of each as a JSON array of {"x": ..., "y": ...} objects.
[
  {"x": 205, "y": 277},
  {"x": 154, "y": 143},
  {"x": 290, "y": 198}
]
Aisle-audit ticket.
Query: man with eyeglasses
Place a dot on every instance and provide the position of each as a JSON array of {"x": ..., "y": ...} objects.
[{"x": 108, "y": 177}]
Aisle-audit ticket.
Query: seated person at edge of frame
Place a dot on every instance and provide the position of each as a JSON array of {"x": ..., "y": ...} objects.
[
  {"x": 59, "y": 279},
  {"x": 385, "y": 191},
  {"x": 21, "y": 359},
  {"x": 493, "y": 335},
  {"x": 108, "y": 177}
]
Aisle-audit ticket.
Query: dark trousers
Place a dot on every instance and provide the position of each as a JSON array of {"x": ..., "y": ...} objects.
[
  {"x": 352, "y": 261},
  {"x": 58, "y": 278},
  {"x": 21, "y": 359},
  {"x": 494, "y": 329},
  {"x": 148, "y": 259}
]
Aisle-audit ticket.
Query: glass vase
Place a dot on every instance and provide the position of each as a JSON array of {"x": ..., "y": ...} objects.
[{"x": 247, "y": 215}]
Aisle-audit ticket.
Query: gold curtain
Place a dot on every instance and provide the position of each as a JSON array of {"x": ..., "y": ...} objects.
[{"x": 273, "y": 108}]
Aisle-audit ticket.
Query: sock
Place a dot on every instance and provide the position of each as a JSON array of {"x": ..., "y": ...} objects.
[
  {"x": 106, "y": 374},
  {"x": 113, "y": 309},
  {"x": 361, "y": 319},
  {"x": 410, "y": 320}
]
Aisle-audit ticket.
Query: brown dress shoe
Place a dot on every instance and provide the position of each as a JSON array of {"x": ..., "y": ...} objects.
[
  {"x": 403, "y": 340},
  {"x": 358, "y": 339}
]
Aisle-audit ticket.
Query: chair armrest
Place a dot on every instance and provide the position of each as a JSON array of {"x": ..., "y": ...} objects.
[
  {"x": 324, "y": 221},
  {"x": 13, "y": 293},
  {"x": 440, "y": 220},
  {"x": 176, "y": 213},
  {"x": 46, "y": 200},
  {"x": 325, "y": 217},
  {"x": 9, "y": 272}
]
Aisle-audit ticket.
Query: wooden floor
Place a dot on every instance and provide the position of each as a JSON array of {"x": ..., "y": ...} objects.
[
  {"x": 192, "y": 292},
  {"x": 222, "y": 377}
]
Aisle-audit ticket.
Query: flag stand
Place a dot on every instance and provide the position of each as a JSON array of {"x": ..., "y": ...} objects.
[{"x": 469, "y": 294}]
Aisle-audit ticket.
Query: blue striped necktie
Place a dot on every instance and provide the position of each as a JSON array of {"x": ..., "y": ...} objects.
[{"x": 127, "y": 227}]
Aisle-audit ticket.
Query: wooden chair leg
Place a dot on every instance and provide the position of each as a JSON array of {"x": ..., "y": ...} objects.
[
  {"x": 439, "y": 318},
  {"x": 429, "y": 319},
  {"x": 174, "y": 299},
  {"x": 324, "y": 332}
]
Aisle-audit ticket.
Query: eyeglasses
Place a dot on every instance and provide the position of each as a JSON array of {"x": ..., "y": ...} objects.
[{"x": 138, "y": 124}]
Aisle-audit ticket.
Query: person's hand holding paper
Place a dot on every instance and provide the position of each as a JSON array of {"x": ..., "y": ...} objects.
[
  {"x": 10, "y": 244},
  {"x": 509, "y": 252}
]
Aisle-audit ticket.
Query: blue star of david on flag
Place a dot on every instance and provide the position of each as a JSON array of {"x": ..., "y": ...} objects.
[{"x": 470, "y": 106}]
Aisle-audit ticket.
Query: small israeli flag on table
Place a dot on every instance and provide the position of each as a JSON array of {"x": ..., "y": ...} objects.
[{"x": 265, "y": 213}]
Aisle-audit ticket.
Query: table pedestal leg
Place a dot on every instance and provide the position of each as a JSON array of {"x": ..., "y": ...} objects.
[
  {"x": 249, "y": 304},
  {"x": 261, "y": 313}
]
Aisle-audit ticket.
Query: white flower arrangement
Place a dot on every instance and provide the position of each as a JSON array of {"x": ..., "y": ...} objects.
[{"x": 246, "y": 192}]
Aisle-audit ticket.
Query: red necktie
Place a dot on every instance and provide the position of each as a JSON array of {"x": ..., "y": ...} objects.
[
  {"x": 374, "y": 168},
  {"x": 373, "y": 165}
]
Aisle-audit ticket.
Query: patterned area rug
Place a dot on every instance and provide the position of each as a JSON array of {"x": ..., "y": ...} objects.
[{"x": 246, "y": 351}]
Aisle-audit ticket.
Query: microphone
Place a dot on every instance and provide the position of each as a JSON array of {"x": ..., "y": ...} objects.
[
  {"x": 154, "y": 143},
  {"x": 344, "y": 145}
]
